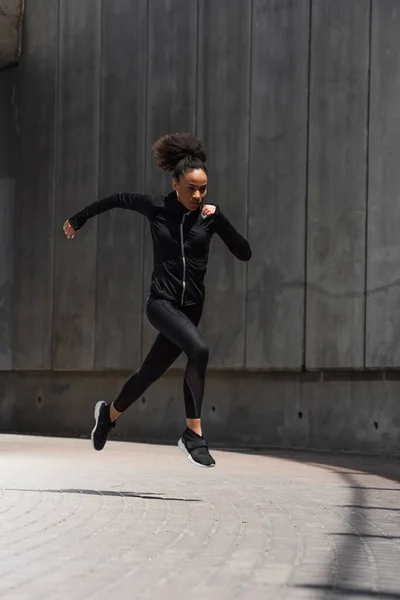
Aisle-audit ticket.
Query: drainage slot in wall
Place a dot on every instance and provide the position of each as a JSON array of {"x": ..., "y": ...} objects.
[
  {"x": 376, "y": 425},
  {"x": 300, "y": 414}
]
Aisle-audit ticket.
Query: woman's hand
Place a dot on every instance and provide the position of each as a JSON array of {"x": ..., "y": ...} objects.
[
  {"x": 208, "y": 210},
  {"x": 69, "y": 230}
]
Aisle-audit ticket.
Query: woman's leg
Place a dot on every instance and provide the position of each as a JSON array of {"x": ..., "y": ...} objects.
[
  {"x": 173, "y": 324},
  {"x": 178, "y": 333},
  {"x": 180, "y": 327},
  {"x": 161, "y": 356}
]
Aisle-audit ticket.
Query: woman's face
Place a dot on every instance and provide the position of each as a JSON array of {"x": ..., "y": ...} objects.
[{"x": 191, "y": 188}]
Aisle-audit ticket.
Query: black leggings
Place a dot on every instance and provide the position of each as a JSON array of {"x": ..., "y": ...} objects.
[{"x": 178, "y": 332}]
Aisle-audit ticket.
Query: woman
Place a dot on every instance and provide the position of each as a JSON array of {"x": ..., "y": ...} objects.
[{"x": 181, "y": 227}]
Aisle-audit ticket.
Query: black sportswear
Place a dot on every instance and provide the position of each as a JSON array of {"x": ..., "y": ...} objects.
[
  {"x": 196, "y": 449},
  {"x": 177, "y": 333},
  {"x": 181, "y": 241},
  {"x": 102, "y": 425}
]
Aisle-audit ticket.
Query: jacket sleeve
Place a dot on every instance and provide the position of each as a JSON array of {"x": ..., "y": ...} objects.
[
  {"x": 138, "y": 202},
  {"x": 234, "y": 241}
]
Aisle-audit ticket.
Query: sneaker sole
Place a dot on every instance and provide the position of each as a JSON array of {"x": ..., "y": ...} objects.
[
  {"x": 96, "y": 419},
  {"x": 182, "y": 446}
]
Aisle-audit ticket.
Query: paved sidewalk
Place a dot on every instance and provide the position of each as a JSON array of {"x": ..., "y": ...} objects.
[{"x": 140, "y": 522}]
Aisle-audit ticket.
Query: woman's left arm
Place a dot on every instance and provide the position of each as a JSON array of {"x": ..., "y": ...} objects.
[{"x": 234, "y": 241}]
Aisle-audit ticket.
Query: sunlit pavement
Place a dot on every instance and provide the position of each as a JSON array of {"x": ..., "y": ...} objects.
[{"x": 139, "y": 521}]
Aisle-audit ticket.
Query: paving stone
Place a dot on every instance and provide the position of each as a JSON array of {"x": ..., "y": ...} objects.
[{"x": 139, "y": 521}]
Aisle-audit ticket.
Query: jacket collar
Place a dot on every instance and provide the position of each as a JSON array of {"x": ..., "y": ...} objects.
[{"x": 176, "y": 207}]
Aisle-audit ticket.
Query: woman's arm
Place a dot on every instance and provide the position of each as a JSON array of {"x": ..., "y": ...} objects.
[
  {"x": 138, "y": 202},
  {"x": 234, "y": 241}
]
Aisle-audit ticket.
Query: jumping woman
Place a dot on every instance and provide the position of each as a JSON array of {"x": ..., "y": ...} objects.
[{"x": 181, "y": 228}]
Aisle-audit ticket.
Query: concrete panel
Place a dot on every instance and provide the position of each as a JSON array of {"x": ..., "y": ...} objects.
[
  {"x": 277, "y": 184},
  {"x": 7, "y": 212},
  {"x": 77, "y": 178},
  {"x": 383, "y": 290},
  {"x": 171, "y": 98},
  {"x": 337, "y": 184},
  {"x": 8, "y": 124},
  {"x": 37, "y": 402},
  {"x": 119, "y": 295},
  {"x": 223, "y": 124},
  {"x": 351, "y": 412},
  {"x": 355, "y": 413},
  {"x": 35, "y": 116}
]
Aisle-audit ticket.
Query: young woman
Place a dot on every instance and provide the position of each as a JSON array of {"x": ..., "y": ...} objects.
[{"x": 181, "y": 227}]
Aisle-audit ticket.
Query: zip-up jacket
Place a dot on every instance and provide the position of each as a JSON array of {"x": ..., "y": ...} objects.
[{"x": 181, "y": 242}]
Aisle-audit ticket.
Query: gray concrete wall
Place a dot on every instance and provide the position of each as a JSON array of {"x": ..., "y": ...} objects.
[
  {"x": 8, "y": 145},
  {"x": 325, "y": 411},
  {"x": 297, "y": 103}
]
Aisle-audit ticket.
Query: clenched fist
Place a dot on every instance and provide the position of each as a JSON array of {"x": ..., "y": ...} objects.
[
  {"x": 69, "y": 230},
  {"x": 208, "y": 210}
]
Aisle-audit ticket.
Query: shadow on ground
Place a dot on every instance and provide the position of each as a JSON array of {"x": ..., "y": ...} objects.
[
  {"x": 350, "y": 548},
  {"x": 145, "y": 496}
]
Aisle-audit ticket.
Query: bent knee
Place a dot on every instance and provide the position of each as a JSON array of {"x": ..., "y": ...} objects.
[{"x": 199, "y": 354}]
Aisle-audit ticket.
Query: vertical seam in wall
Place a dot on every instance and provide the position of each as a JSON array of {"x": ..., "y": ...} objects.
[
  {"x": 144, "y": 174},
  {"x": 54, "y": 181},
  {"x": 99, "y": 121},
  {"x": 307, "y": 167},
  {"x": 368, "y": 116},
  {"x": 16, "y": 232},
  {"x": 196, "y": 101},
  {"x": 250, "y": 80},
  {"x": 11, "y": 175}
]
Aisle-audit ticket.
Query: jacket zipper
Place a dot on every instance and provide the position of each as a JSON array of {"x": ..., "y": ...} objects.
[{"x": 183, "y": 261}]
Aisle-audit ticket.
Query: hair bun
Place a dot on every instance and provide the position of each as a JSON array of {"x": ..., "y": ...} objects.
[{"x": 171, "y": 149}]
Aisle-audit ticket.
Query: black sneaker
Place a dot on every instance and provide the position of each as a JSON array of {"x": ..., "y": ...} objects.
[
  {"x": 102, "y": 425},
  {"x": 196, "y": 449}
]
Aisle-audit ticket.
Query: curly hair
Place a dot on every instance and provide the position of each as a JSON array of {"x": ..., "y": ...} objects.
[{"x": 179, "y": 152}]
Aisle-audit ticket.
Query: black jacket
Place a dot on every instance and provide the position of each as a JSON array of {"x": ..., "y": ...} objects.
[{"x": 181, "y": 241}]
